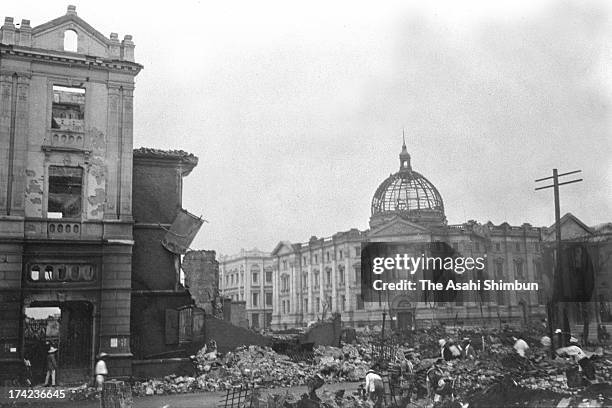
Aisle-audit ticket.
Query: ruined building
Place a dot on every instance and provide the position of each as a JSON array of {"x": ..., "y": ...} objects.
[{"x": 76, "y": 234}]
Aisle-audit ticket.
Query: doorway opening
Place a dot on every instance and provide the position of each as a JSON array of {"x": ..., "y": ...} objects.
[{"x": 67, "y": 326}]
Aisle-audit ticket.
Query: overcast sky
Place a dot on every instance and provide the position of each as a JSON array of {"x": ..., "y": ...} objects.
[{"x": 296, "y": 110}]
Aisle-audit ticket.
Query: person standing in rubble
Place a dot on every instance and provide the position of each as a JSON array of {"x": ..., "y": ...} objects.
[
  {"x": 445, "y": 352},
  {"x": 468, "y": 349},
  {"x": 51, "y": 367},
  {"x": 449, "y": 350},
  {"x": 101, "y": 372},
  {"x": 432, "y": 377},
  {"x": 374, "y": 388}
]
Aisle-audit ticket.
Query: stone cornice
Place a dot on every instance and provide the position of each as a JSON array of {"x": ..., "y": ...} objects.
[{"x": 67, "y": 58}]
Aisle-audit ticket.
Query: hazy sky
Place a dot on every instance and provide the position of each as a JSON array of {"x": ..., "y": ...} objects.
[{"x": 296, "y": 109}]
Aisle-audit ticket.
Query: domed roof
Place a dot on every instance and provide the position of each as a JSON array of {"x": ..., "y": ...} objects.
[{"x": 408, "y": 194}]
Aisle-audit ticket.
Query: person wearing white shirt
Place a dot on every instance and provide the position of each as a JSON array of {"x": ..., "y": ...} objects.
[
  {"x": 101, "y": 371},
  {"x": 374, "y": 388},
  {"x": 520, "y": 346}
]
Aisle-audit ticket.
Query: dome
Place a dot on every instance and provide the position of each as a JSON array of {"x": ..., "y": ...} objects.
[{"x": 408, "y": 194}]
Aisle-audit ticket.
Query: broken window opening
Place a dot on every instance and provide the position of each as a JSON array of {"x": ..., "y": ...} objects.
[
  {"x": 65, "y": 190},
  {"x": 68, "y": 109},
  {"x": 71, "y": 41}
]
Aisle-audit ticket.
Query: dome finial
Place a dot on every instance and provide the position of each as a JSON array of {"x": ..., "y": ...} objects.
[{"x": 404, "y": 155}]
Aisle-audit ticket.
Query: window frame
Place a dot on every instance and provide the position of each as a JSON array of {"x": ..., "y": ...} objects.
[{"x": 47, "y": 192}]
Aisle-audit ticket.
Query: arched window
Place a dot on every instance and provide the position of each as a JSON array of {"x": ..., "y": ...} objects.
[
  {"x": 71, "y": 40},
  {"x": 35, "y": 273}
]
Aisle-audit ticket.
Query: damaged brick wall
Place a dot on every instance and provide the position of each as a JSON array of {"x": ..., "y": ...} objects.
[
  {"x": 156, "y": 192},
  {"x": 148, "y": 325},
  {"x": 202, "y": 277}
]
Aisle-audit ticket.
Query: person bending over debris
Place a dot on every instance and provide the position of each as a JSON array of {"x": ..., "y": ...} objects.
[
  {"x": 520, "y": 346},
  {"x": 455, "y": 349},
  {"x": 576, "y": 353},
  {"x": 374, "y": 388}
]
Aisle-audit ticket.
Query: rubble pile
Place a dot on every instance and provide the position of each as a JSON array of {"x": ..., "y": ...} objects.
[
  {"x": 349, "y": 363},
  {"x": 171, "y": 384},
  {"x": 262, "y": 366}
]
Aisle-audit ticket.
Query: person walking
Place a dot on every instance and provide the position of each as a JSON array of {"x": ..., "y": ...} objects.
[{"x": 51, "y": 367}]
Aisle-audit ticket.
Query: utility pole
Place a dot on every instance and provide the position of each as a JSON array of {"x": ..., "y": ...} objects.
[{"x": 551, "y": 302}]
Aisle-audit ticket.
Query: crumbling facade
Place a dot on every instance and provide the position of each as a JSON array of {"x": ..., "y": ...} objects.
[
  {"x": 201, "y": 270},
  {"x": 158, "y": 325},
  {"x": 66, "y": 114}
]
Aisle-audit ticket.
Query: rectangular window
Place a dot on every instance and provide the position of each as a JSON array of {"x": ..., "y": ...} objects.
[
  {"x": 341, "y": 255},
  {"x": 342, "y": 303},
  {"x": 359, "y": 302},
  {"x": 327, "y": 256},
  {"x": 316, "y": 259},
  {"x": 268, "y": 276},
  {"x": 518, "y": 269},
  {"x": 284, "y": 307},
  {"x": 357, "y": 251},
  {"x": 255, "y": 320},
  {"x": 518, "y": 247},
  {"x": 268, "y": 299},
  {"x": 497, "y": 246},
  {"x": 255, "y": 299},
  {"x": 255, "y": 277},
  {"x": 67, "y": 112},
  {"x": 317, "y": 305},
  {"x": 305, "y": 305},
  {"x": 499, "y": 270},
  {"x": 65, "y": 192}
]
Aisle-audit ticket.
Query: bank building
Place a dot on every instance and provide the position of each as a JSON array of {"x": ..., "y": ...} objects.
[{"x": 298, "y": 283}]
